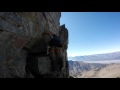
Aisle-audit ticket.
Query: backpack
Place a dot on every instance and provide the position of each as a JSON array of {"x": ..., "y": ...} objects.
[{"x": 56, "y": 41}]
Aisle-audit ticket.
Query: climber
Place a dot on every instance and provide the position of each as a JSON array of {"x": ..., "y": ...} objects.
[{"x": 56, "y": 53}]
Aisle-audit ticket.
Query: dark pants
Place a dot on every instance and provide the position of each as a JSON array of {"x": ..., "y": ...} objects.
[
  {"x": 56, "y": 65},
  {"x": 32, "y": 66},
  {"x": 56, "y": 58}
]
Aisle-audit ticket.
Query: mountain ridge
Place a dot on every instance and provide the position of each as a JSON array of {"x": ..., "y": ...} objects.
[
  {"x": 110, "y": 71},
  {"x": 105, "y": 56},
  {"x": 80, "y": 69}
]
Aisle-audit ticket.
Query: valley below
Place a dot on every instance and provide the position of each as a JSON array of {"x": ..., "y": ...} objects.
[
  {"x": 102, "y": 66},
  {"x": 94, "y": 70}
]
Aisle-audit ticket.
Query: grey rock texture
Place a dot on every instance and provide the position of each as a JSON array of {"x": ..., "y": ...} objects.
[{"x": 23, "y": 29}]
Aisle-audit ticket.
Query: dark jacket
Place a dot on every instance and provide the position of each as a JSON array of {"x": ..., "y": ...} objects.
[{"x": 56, "y": 41}]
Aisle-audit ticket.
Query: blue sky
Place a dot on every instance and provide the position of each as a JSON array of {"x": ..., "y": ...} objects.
[{"x": 92, "y": 32}]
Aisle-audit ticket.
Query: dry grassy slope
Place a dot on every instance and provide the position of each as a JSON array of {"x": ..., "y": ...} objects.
[{"x": 110, "y": 71}]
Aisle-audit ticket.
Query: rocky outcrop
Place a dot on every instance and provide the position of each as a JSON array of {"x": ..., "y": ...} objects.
[{"x": 23, "y": 29}]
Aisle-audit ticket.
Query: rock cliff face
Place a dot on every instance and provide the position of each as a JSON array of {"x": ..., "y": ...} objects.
[{"x": 22, "y": 29}]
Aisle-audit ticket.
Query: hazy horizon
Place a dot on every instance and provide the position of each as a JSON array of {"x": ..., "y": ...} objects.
[
  {"x": 112, "y": 57},
  {"x": 94, "y": 54},
  {"x": 92, "y": 32}
]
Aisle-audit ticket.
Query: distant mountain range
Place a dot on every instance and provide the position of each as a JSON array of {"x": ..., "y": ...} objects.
[
  {"x": 106, "y": 56},
  {"x": 110, "y": 71},
  {"x": 78, "y": 67}
]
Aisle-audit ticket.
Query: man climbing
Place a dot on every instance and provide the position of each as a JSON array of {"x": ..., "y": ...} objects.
[{"x": 56, "y": 53}]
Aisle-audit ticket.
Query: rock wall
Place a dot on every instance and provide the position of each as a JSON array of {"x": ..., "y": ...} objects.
[{"x": 22, "y": 29}]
